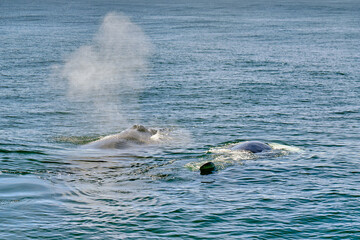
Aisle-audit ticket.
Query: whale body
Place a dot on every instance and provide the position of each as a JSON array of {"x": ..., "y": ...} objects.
[
  {"x": 252, "y": 146},
  {"x": 134, "y": 136},
  {"x": 249, "y": 146}
]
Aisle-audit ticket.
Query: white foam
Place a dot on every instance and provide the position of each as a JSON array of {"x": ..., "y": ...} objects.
[
  {"x": 290, "y": 149},
  {"x": 223, "y": 156}
]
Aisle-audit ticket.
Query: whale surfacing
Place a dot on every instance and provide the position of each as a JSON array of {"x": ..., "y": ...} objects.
[
  {"x": 252, "y": 146},
  {"x": 134, "y": 136},
  {"x": 248, "y": 146}
]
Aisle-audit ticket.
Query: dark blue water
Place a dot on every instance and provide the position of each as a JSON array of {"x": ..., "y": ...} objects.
[{"x": 213, "y": 72}]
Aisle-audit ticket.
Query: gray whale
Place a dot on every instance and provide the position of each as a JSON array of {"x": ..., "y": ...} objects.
[
  {"x": 134, "y": 136},
  {"x": 249, "y": 146},
  {"x": 252, "y": 146}
]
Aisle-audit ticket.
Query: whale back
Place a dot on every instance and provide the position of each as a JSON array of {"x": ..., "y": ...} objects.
[
  {"x": 136, "y": 135},
  {"x": 252, "y": 146}
]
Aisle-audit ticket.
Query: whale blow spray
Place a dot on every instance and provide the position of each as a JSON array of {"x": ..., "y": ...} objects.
[{"x": 108, "y": 72}]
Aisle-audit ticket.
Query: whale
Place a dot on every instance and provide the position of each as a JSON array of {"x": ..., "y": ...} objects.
[
  {"x": 207, "y": 168},
  {"x": 137, "y": 135},
  {"x": 248, "y": 146},
  {"x": 252, "y": 146}
]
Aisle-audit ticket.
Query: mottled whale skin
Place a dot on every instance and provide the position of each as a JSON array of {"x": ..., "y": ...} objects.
[
  {"x": 134, "y": 136},
  {"x": 252, "y": 146}
]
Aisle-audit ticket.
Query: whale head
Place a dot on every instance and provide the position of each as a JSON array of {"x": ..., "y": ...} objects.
[{"x": 142, "y": 129}]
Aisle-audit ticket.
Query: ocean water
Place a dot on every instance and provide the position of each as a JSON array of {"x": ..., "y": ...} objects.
[{"x": 213, "y": 73}]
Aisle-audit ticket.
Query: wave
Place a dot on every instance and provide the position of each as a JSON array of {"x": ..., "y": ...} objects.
[{"x": 20, "y": 151}]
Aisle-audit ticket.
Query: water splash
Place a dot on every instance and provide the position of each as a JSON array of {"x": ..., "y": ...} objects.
[
  {"x": 285, "y": 148},
  {"x": 223, "y": 156},
  {"x": 108, "y": 72}
]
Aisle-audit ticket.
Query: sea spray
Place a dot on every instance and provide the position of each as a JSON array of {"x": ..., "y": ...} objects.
[
  {"x": 108, "y": 72},
  {"x": 223, "y": 156}
]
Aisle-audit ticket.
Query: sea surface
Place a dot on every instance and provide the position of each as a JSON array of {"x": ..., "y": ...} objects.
[{"x": 213, "y": 74}]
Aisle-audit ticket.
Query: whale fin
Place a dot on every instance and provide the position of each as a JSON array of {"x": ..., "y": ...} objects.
[{"x": 207, "y": 168}]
